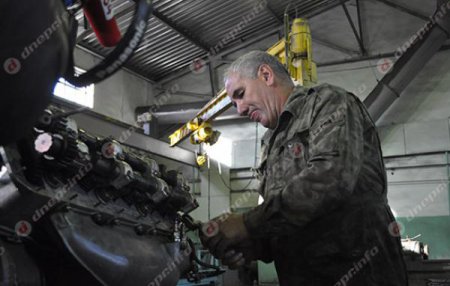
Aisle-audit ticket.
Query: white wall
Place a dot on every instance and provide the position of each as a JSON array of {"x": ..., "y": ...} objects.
[
  {"x": 119, "y": 95},
  {"x": 215, "y": 196}
]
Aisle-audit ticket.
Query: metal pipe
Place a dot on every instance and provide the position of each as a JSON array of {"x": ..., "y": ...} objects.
[
  {"x": 425, "y": 43},
  {"x": 183, "y": 116}
]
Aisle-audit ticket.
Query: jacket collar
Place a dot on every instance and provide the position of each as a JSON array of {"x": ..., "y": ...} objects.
[{"x": 292, "y": 108}]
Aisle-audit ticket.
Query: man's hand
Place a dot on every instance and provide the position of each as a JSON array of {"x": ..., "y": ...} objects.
[
  {"x": 222, "y": 233},
  {"x": 233, "y": 259},
  {"x": 244, "y": 252}
]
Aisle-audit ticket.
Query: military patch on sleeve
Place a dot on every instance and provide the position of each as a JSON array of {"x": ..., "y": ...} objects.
[{"x": 295, "y": 148}]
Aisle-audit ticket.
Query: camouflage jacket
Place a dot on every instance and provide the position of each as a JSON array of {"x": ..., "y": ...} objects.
[
  {"x": 325, "y": 218},
  {"x": 323, "y": 154}
]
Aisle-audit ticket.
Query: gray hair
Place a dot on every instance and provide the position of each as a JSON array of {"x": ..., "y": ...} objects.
[{"x": 248, "y": 65}]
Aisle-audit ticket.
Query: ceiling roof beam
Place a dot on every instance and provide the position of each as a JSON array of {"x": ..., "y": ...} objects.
[
  {"x": 248, "y": 42},
  {"x": 315, "y": 39},
  {"x": 355, "y": 32},
  {"x": 334, "y": 46},
  {"x": 185, "y": 70},
  {"x": 404, "y": 9},
  {"x": 273, "y": 14},
  {"x": 183, "y": 32},
  {"x": 361, "y": 35},
  {"x": 367, "y": 58}
]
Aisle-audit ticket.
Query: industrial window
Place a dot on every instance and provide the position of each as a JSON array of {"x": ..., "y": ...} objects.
[{"x": 80, "y": 95}]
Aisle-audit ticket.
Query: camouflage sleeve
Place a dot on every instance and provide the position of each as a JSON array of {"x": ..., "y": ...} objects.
[{"x": 334, "y": 160}]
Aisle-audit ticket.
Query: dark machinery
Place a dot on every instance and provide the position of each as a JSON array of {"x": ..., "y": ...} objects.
[
  {"x": 32, "y": 63},
  {"x": 76, "y": 209}
]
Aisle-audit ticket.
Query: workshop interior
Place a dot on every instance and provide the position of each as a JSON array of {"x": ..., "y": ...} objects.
[{"x": 119, "y": 142}]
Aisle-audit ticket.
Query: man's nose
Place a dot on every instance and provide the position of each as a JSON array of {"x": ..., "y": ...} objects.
[{"x": 242, "y": 109}]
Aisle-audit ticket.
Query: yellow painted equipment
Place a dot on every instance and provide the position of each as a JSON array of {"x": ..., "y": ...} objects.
[
  {"x": 201, "y": 159},
  {"x": 298, "y": 60},
  {"x": 205, "y": 134}
]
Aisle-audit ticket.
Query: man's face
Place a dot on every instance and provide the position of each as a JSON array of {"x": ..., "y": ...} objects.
[{"x": 253, "y": 98}]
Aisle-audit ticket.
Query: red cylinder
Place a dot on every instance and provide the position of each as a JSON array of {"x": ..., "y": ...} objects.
[{"x": 101, "y": 18}]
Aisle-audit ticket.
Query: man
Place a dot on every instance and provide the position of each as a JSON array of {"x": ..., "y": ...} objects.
[{"x": 324, "y": 219}]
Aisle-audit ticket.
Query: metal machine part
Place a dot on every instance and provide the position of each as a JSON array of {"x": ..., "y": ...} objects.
[
  {"x": 414, "y": 249},
  {"x": 421, "y": 270},
  {"x": 86, "y": 210}
]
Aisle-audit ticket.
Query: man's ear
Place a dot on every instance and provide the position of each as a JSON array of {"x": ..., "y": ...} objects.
[{"x": 266, "y": 74}]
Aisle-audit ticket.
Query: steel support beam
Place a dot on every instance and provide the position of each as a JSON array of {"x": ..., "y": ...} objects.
[
  {"x": 183, "y": 32},
  {"x": 361, "y": 35},
  {"x": 333, "y": 46},
  {"x": 355, "y": 32},
  {"x": 213, "y": 77},
  {"x": 367, "y": 58},
  {"x": 404, "y": 9},
  {"x": 163, "y": 19},
  {"x": 356, "y": 59},
  {"x": 273, "y": 14},
  {"x": 185, "y": 70},
  {"x": 315, "y": 39}
]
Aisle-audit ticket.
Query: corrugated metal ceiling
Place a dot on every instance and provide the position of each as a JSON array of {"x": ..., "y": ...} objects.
[{"x": 180, "y": 31}]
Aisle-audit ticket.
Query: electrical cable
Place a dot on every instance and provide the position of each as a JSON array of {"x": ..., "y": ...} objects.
[
  {"x": 198, "y": 261},
  {"x": 209, "y": 193},
  {"x": 121, "y": 53}
]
